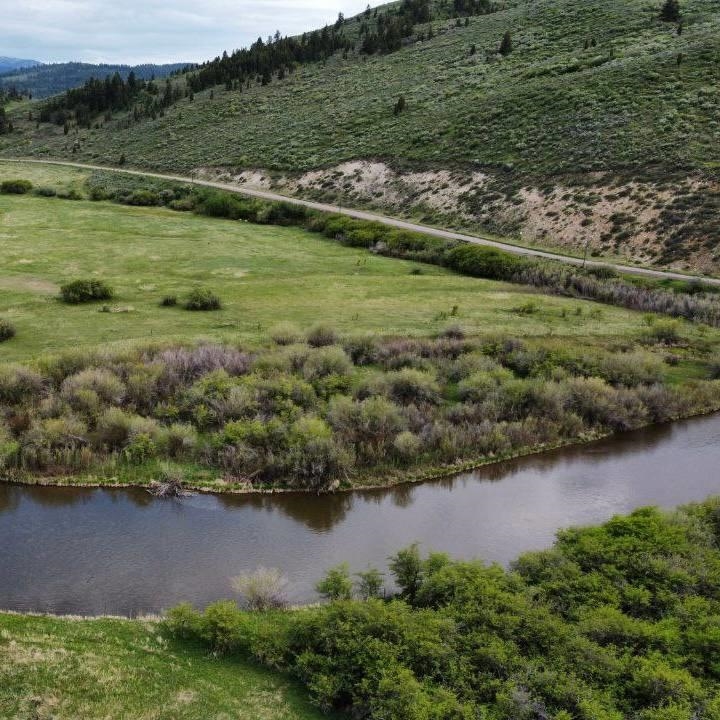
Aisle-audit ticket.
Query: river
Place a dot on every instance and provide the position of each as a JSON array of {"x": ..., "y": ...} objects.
[{"x": 84, "y": 551}]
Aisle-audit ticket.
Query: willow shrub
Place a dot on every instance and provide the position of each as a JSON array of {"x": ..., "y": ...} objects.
[{"x": 310, "y": 417}]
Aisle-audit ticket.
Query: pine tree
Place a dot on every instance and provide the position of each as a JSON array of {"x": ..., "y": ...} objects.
[
  {"x": 5, "y": 124},
  {"x": 670, "y": 11},
  {"x": 506, "y": 44}
]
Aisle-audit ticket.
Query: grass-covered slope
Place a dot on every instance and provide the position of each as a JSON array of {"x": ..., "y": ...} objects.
[
  {"x": 120, "y": 669},
  {"x": 593, "y": 93},
  {"x": 550, "y": 106}
]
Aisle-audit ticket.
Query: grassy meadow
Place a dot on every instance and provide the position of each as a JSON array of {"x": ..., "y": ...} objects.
[
  {"x": 67, "y": 669},
  {"x": 263, "y": 274}
]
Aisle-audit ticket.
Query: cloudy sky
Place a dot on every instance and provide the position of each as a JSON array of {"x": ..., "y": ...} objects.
[{"x": 136, "y": 31}]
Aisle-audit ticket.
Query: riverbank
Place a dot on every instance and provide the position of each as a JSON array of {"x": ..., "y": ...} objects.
[
  {"x": 652, "y": 631},
  {"x": 120, "y": 551},
  {"x": 145, "y": 478},
  {"x": 65, "y": 668}
]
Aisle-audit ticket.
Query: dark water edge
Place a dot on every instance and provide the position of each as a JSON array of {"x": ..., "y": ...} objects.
[{"x": 95, "y": 551}]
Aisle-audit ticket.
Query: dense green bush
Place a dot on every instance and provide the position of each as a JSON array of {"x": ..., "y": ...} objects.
[
  {"x": 321, "y": 335},
  {"x": 45, "y": 192},
  {"x": 84, "y": 291},
  {"x": 15, "y": 187},
  {"x": 7, "y": 330},
  {"x": 143, "y": 198},
  {"x": 483, "y": 262},
  {"x": 200, "y": 299},
  {"x": 615, "y": 621}
]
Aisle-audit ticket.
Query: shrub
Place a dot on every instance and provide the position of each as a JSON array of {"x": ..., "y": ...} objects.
[
  {"x": 19, "y": 384},
  {"x": 483, "y": 262},
  {"x": 453, "y": 332},
  {"x": 202, "y": 299},
  {"x": 362, "y": 349},
  {"x": 107, "y": 386},
  {"x": 113, "y": 429},
  {"x": 406, "y": 566},
  {"x": 142, "y": 198},
  {"x": 315, "y": 458},
  {"x": 407, "y": 446},
  {"x": 285, "y": 334},
  {"x": 263, "y": 589},
  {"x": 326, "y": 361},
  {"x": 7, "y": 330},
  {"x": 84, "y": 291},
  {"x": 45, "y": 192},
  {"x": 181, "y": 440},
  {"x": 370, "y": 584},
  {"x": 15, "y": 187},
  {"x": 413, "y": 386},
  {"x": 9, "y": 447},
  {"x": 321, "y": 336},
  {"x": 169, "y": 301},
  {"x": 666, "y": 332},
  {"x": 337, "y": 584}
]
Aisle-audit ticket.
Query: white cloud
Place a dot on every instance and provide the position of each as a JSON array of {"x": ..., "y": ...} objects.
[{"x": 136, "y": 31}]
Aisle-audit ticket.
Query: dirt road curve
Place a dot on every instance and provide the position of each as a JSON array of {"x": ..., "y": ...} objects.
[{"x": 394, "y": 222}]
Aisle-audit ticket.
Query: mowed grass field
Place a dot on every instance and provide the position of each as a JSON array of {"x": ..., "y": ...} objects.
[
  {"x": 263, "y": 274},
  {"x": 121, "y": 669}
]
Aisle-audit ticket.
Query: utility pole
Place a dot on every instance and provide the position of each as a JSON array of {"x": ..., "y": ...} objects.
[{"x": 587, "y": 245}]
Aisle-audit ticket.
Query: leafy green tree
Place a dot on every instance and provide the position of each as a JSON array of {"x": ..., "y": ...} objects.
[
  {"x": 337, "y": 583},
  {"x": 370, "y": 583},
  {"x": 407, "y": 566}
]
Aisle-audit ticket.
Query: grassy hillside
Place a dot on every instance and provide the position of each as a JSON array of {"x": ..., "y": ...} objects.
[
  {"x": 67, "y": 669},
  {"x": 633, "y": 115}
]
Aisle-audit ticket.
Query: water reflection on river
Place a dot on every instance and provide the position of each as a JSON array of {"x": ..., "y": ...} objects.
[{"x": 118, "y": 551}]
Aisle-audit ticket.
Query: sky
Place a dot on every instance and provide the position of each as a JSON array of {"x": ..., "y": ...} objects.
[{"x": 156, "y": 31}]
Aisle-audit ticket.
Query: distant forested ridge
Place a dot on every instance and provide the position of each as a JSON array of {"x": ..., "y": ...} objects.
[
  {"x": 10, "y": 63},
  {"x": 42, "y": 81}
]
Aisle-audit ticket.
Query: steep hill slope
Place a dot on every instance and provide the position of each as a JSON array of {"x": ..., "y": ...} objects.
[{"x": 599, "y": 129}]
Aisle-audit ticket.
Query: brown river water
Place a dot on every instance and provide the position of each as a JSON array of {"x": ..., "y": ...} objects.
[{"x": 85, "y": 551}]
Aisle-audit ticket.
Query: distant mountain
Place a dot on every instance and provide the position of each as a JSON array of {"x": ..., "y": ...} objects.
[
  {"x": 8, "y": 64},
  {"x": 44, "y": 80}
]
